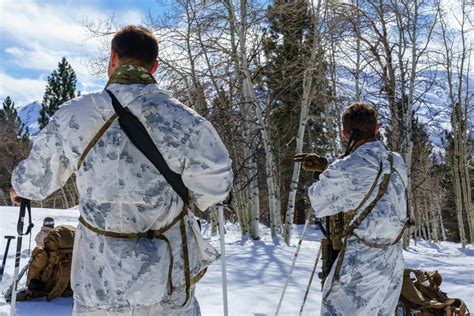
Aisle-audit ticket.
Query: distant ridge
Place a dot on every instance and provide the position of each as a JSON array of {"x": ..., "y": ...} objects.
[{"x": 29, "y": 115}]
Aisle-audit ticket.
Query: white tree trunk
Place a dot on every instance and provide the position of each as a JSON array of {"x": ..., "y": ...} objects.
[
  {"x": 305, "y": 102},
  {"x": 250, "y": 96},
  {"x": 64, "y": 198},
  {"x": 2, "y": 195},
  {"x": 254, "y": 212}
]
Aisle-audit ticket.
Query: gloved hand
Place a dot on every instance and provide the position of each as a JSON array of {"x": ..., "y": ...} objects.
[{"x": 312, "y": 162}]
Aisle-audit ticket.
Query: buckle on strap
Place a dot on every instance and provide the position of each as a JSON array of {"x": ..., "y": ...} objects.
[{"x": 150, "y": 234}]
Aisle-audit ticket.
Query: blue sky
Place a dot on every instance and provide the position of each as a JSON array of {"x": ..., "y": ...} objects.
[{"x": 36, "y": 34}]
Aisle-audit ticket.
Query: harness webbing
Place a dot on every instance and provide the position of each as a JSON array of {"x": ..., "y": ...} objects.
[
  {"x": 349, "y": 230},
  {"x": 139, "y": 137},
  {"x": 95, "y": 139},
  {"x": 147, "y": 234}
]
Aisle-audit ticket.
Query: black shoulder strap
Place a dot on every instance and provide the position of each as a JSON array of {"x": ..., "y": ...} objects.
[{"x": 139, "y": 137}]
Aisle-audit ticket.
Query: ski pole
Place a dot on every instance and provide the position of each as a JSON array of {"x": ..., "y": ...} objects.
[
  {"x": 224, "y": 272},
  {"x": 9, "y": 239},
  {"x": 292, "y": 265},
  {"x": 310, "y": 280},
  {"x": 25, "y": 205},
  {"x": 8, "y": 292}
]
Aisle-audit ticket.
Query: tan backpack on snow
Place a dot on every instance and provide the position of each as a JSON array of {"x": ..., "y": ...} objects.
[
  {"x": 421, "y": 295},
  {"x": 50, "y": 268}
]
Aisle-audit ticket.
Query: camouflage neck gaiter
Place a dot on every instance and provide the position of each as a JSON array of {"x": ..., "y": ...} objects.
[{"x": 131, "y": 74}]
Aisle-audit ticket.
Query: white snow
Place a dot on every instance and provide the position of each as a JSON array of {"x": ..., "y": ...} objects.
[{"x": 256, "y": 270}]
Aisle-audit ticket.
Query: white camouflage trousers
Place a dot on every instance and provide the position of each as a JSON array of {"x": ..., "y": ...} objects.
[{"x": 164, "y": 308}]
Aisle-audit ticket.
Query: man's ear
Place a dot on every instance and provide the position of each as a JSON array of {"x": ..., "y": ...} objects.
[
  {"x": 377, "y": 128},
  {"x": 155, "y": 67},
  {"x": 114, "y": 58},
  {"x": 345, "y": 135}
]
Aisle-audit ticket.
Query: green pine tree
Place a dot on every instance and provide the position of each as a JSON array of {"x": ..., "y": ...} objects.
[
  {"x": 287, "y": 46},
  {"x": 14, "y": 143},
  {"x": 8, "y": 112},
  {"x": 9, "y": 119},
  {"x": 61, "y": 88}
]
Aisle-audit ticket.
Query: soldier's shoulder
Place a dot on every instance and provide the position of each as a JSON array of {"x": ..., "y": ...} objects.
[
  {"x": 397, "y": 157},
  {"x": 171, "y": 107},
  {"x": 80, "y": 104},
  {"x": 399, "y": 166}
]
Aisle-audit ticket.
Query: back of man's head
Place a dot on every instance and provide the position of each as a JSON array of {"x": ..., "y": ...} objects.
[
  {"x": 136, "y": 45},
  {"x": 360, "y": 118}
]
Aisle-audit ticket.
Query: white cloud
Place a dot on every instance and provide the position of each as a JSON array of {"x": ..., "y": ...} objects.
[
  {"x": 35, "y": 35},
  {"x": 21, "y": 90},
  {"x": 38, "y": 58}
]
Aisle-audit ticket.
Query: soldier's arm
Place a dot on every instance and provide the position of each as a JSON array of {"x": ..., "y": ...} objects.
[
  {"x": 46, "y": 169},
  {"x": 341, "y": 187},
  {"x": 207, "y": 170}
]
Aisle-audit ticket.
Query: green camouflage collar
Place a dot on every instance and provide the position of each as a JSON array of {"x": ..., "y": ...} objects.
[{"x": 131, "y": 74}]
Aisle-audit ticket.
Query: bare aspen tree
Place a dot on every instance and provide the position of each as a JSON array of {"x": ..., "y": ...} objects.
[
  {"x": 456, "y": 51},
  {"x": 3, "y": 199},
  {"x": 248, "y": 92},
  {"x": 394, "y": 39},
  {"x": 305, "y": 102}
]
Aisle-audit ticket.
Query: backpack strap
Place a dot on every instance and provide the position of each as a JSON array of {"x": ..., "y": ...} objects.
[
  {"x": 139, "y": 137},
  {"x": 349, "y": 231},
  {"x": 95, "y": 139}
]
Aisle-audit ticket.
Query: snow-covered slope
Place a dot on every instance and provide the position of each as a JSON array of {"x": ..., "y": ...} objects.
[
  {"x": 432, "y": 107},
  {"x": 256, "y": 271},
  {"x": 29, "y": 115}
]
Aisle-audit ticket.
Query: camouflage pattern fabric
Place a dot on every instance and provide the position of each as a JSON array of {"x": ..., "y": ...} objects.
[
  {"x": 121, "y": 191},
  {"x": 42, "y": 235},
  {"x": 131, "y": 74},
  {"x": 370, "y": 278}
]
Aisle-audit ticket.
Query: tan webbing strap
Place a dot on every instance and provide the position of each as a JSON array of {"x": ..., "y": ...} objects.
[
  {"x": 382, "y": 189},
  {"x": 195, "y": 279},
  {"x": 148, "y": 234},
  {"x": 159, "y": 235},
  {"x": 187, "y": 272},
  {"x": 350, "y": 229},
  {"x": 170, "y": 267},
  {"x": 372, "y": 187},
  {"x": 95, "y": 139}
]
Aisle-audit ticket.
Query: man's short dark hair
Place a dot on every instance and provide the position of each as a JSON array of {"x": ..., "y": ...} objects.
[
  {"x": 136, "y": 44},
  {"x": 360, "y": 118}
]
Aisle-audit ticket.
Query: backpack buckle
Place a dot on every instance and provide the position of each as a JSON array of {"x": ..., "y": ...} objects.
[{"x": 150, "y": 234}]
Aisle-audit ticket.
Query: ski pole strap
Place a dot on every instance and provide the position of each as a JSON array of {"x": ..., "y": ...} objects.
[
  {"x": 25, "y": 205},
  {"x": 321, "y": 228}
]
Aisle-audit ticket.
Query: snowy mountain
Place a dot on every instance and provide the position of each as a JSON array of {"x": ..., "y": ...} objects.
[
  {"x": 29, "y": 115},
  {"x": 432, "y": 106}
]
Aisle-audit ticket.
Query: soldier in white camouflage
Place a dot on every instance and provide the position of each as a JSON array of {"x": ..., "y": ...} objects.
[
  {"x": 122, "y": 193},
  {"x": 365, "y": 189},
  {"x": 48, "y": 225}
]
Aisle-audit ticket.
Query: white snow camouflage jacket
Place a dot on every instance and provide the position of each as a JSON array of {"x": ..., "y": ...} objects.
[
  {"x": 121, "y": 191},
  {"x": 370, "y": 278}
]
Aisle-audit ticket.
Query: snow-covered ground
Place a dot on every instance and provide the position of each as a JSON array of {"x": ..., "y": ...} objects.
[{"x": 256, "y": 270}]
